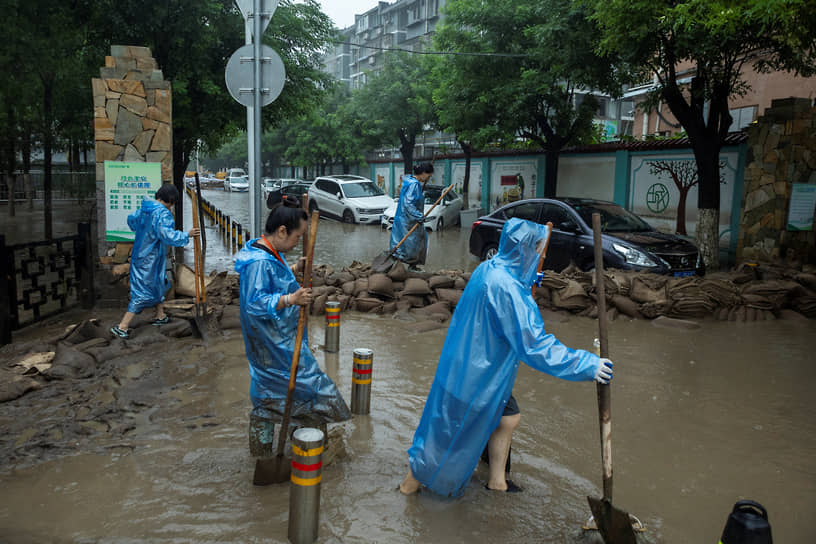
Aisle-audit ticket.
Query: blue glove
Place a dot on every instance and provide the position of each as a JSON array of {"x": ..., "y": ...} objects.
[
  {"x": 539, "y": 279},
  {"x": 603, "y": 374}
]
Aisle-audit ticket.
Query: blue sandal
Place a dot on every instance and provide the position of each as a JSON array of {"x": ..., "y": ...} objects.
[
  {"x": 163, "y": 321},
  {"x": 116, "y": 331}
]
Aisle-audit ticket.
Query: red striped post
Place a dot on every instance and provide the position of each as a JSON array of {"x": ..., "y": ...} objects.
[
  {"x": 331, "y": 344},
  {"x": 361, "y": 381},
  {"x": 304, "y": 491}
]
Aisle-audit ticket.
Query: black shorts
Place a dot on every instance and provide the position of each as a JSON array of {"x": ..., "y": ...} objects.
[{"x": 512, "y": 407}]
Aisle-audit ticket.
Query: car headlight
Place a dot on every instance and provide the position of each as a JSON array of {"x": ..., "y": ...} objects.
[
  {"x": 362, "y": 210},
  {"x": 634, "y": 256}
]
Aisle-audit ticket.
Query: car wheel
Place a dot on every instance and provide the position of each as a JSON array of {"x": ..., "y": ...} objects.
[
  {"x": 348, "y": 217},
  {"x": 489, "y": 252},
  {"x": 312, "y": 205}
]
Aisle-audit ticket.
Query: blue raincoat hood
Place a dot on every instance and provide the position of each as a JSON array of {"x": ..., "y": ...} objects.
[
  {"x": 496, "y": 325},
  {"x": 269, "y": 339},
  {"x": 155, "y": 232}
]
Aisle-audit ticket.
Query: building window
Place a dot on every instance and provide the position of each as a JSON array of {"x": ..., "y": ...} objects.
[{"x": 742, "y": 117}]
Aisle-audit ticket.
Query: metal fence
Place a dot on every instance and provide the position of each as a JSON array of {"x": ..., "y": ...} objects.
[
  {"x": 41, "y": 279},
  {"x": 64, "y": 185}
]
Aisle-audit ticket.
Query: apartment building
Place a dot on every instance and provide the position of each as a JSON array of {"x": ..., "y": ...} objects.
[
  {"x": 764, "y": 87},
  {"x": 403, "y": 24}
]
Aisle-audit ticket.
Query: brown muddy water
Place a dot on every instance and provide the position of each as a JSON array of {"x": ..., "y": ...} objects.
[{"x": 154, "y": 447}]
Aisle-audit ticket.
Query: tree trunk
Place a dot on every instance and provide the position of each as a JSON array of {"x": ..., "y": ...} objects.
[
  {"x": 293, "y": 172},
  {"x": 10, "y": 179},
  {"x": 180, "y": 159},
  {"x": 10, "y": 156},
  {"x": 467, "y": 149},
  {"x": 551, "y": 172},
  {"x": 407, "y": 142},
  {"x": 345, "y": 166},
  {"x": 680, "y": 226},
  {"x": 48, "y": 138},
  {"x": 707, "y": 156}
]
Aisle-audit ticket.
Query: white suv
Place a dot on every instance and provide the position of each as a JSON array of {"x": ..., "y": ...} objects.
[
  {"x": 351, "y": 199},
  {"x": 236, "y": 180}
]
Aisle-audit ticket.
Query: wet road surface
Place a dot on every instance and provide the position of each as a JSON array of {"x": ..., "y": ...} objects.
[{"x": 700, "y": 420}]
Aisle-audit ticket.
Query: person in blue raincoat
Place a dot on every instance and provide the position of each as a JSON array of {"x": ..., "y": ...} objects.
[
  {"x": 410, "y": 211},
  {"x": 270, "y": 304},
  {"x": 495, "y": 326},
  {"x": 154, "y": 227}
]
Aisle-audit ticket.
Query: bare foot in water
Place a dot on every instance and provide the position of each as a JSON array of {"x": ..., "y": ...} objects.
[{"x": 409, "y": 485}]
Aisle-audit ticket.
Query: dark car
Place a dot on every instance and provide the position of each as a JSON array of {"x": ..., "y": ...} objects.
[
  {"x": 628, "y": 241},
  {"x": 294, "y": 189}
]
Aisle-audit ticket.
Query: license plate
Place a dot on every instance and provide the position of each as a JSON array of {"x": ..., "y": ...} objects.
[{"x": 684, "y": 273}]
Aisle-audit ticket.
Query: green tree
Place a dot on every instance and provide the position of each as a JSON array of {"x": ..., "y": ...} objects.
[
  {"x": 192, "y": 42},
  {"x": 394, "y": 106},
  {"x": 718, "y": 39},
  {"x": 539, "y": 54}
]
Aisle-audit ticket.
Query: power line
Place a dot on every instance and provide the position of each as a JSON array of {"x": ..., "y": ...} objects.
[{"x": 460, "y": 53}]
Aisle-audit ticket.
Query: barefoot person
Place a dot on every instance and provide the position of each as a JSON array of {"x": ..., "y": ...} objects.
[
  {"x": 495, "y": 326},
  {"x": 155, "y": 232}
]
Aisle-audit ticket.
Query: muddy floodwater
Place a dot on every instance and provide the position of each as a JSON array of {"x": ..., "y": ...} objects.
[
  {"x": 700, "y": 419},
  {"x": 154, "y": 447}
]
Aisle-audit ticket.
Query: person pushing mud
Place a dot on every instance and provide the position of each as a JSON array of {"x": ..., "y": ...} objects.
[{"x": 470, "y": 405}]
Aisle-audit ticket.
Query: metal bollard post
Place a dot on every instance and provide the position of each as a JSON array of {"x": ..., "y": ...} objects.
[
  {"x": 304, "y": 491},
  {"x": 361, "y": 381},
  {"x": 331, "y": 343},
  {"x": 240, "y": 235}
]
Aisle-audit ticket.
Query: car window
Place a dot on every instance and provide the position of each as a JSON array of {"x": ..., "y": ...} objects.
[
  {"x": 362, "y": 189},
  {"x": 525, "y": 210},
  {"x": 556, "y": 215},
  {"x": 323, "y": 185},
  {"x": 613, "y": 217}
]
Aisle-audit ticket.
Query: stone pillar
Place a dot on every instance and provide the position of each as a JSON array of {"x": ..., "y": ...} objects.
[
  {"x": 132, "y": 118},
  {"x": 781, "y": 151}
]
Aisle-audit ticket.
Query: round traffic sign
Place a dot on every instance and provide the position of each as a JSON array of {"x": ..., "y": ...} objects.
[{"x": 240, "y": 74}]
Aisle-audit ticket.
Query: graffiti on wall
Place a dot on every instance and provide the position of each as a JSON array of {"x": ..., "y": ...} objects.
[{"x": 664, "y": 192}]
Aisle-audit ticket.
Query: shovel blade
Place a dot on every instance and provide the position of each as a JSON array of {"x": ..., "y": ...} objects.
[
  {"x": 614, "y": 524},
  {"x": 275, "y": 470},
  {"x": 383, "y": 262}
]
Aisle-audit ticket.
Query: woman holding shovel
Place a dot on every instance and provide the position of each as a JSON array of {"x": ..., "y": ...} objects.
[
  {"x": 411, "y": 210},
  {"x": 270, "y": 304}
]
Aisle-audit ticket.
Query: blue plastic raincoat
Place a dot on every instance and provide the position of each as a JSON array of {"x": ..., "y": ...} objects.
[
  {"x": 269, "y": 339},
  {"x": 410, "y": 209},
  {"x": 155, "y": 232},
  {"x": 495, "y": 326}
]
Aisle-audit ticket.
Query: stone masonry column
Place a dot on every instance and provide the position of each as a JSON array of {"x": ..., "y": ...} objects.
[{"x": 132, "y": 119}]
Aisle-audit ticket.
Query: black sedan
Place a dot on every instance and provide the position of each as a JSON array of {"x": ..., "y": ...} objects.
[
  {"x": 628, "y": 241},
  {"x": 295, "y": 189}
]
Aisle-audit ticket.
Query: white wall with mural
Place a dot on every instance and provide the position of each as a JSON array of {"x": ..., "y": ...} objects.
[
  {"x": 511, "y": 181},
  {"x": 660, "y": 184},
  {"x": 587, "y": 176},
  {"x": 475, "y": 184}
]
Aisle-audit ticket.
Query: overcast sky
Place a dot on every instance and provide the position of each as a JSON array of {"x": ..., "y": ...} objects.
[{"x": 342, "y": 11}]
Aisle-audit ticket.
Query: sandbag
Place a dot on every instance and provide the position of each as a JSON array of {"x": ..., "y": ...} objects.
[
  {"x": 319, "y": 305},
  {"x": 185, "y": 281},
  {"x": 70, "y": 363},
  {"x": 381, "y": 285},
  {"x": 459, "y": 283},
  {"x": 414, "y": 300},
  {"x": 348, "y": 288},
  {"x": 389, "y": 307},
  {"x": 367, "y": 304},
  {"x": 441, "y": 282},
  {"x": 13, "y": 386},
  {"x": 417, "y": 287},
  {"x": 231, "y": 317},
  {"x": 626, "y": 306},
  {"x": 360, "y": 286},
  {"x": 571, "y": 297},
  {"x": 398, "y": 272},
  {"x": 647, "y": 289},
  {"x": 451, "y": 296}
]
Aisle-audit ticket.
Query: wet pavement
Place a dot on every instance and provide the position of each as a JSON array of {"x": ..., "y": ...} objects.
[
  {"x": 154, "y": 447},
  {"x": 700, "y": 420},
  {"x": 338, "y": 244}
]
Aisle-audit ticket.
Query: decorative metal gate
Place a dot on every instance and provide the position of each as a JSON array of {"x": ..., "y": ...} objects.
[{"x": 41, "y": 279}]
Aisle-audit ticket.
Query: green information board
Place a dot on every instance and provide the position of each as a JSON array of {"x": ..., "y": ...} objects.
[{"x": 126, "y": 185}]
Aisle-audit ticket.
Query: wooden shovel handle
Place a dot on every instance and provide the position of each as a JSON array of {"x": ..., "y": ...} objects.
[
  {"x": 302, "y": 318},
  {"x": 407, "y": 234},
  {"x": 540, "y": 266},
  {"x": 604, "y": 393},
  {"x": 196, "y": 252}
]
